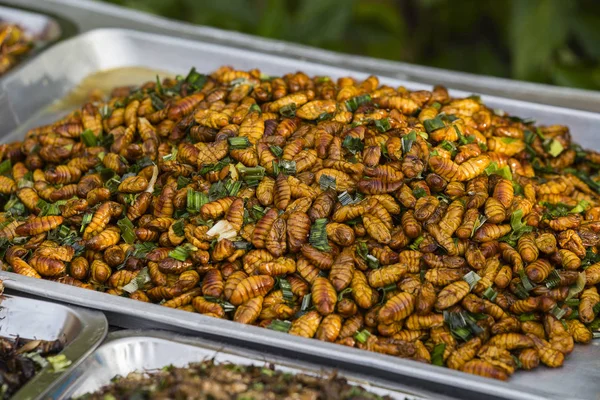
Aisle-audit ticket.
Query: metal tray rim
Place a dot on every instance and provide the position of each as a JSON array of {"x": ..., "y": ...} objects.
[{"x": 94, "y": 328}]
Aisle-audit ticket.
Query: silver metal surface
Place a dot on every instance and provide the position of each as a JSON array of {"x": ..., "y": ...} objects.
[
  {"x": 577, "y": 379},
  {"x": 43, "y": 29},
  {"x": 58, "y": 70},
  {"x": 138, "y": 351},
  {"x": 89, "y": 15},
  {"x": 55, "y": 72},
  {"x": 81, "y": 331}
]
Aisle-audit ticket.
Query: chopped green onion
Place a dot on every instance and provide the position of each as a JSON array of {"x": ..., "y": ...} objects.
[
  {"x": 572, "y": 302},
  {"x": 419, "y": 192},
  {"x": 126, "y": 230},
  {"x": 383, "y": 125},
  {"x": 195, "y": 200},
  {"x": 525, "y": 280},
  {"x": 437, "y": 355},
  {"x": 178, "y": 228},
  {"x": 448, "y": 146},
  {"x": 326, "y": 182},
  {"x": 353, "y": 144},
  {"x": 255, "y": 108},
  {"x": 280, "y": 326},
  {"x": 242, "y": 245},
  {"x": 88, "y": 138},
  {"x": 287, "y": 167},
  {"x": 182, "y": 182},
  {"x": 59, "y": 362},
  {"x": 157, "y": 103},
  {"x": 372, "y": 262},
  {"x": 286, "y": 289},
  {"x": 461, "y": 333},
  {"x": 578, "y": 286},
  {"x": 324, "y": 117},
  {"x": 362, "y": 250},
  {"x": 105, "y": 111},
  {"x": 179, "y": 253},
  {"x": 554, "y": 148},
  {"x": 113, "y": 184},
  {"x": 306, "y": 302},
  {"x": 249, "y": 174},
  {"x": 195, "y": 79},
  {"x": 596, "y": 308},
  {"x": 344, "y": 198},
  {"x": 318, "y": 235},
  {"x": 87, "y": 218},
  {"x": 433, "y": 124},
  {"x": 362, "y": 336},
  {"x": 355, "y": 102},
  {"x": 490, "y": 294},
  {"x": 48, "y": 208},
  {"x": 521, "y": 292},
  {"x": 142, "y": 249},
  {"x": 408, "y": 141},
  {"x": 172, "y": 155},
  {"x": 558, "y": 312},
  {"x": 503, "y": 172},
  {"x": 289, "y": 110},
  {"x": 158, "y": 88},
  {"x": 5, "y": 167},
  {"x": 595, "y": 324},
  {"x": 553, "y": 280},
  {"x": 344, "y": 292},
  {"x": 415, "y": 245},
  {"x": 276, "y": 150},
  {"x": 580, "y": 207},
  {"x": 527, "y": 317},
  {"x": 138, "y": 282},
  {"x": 471, "y": 278},
  {"x": 238, "y": 142},
  {"x": 233, "y": 187}
]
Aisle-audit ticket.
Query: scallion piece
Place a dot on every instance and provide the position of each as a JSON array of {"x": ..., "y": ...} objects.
[
  {"x": 276, "y": 150},
  {"x": 289, "y": 110},
  {"x": 372, "y": 261},
  {"x": 355, "y": 102},
  {"x": 521, "y": 292},
  {"x": 5, "y": 167},
  {"x": 255, "y": 108},
  {"x": 113, "y": 184},
  {"x": 324, "y": 117},
  {"x": 126, "y": 230},
  {"x": 249, "y": 174},
  {"x": 88, "y": 138},
  {"x": 490, "y": 294},
  {"x": 179, "y": 253},
  {"x": 345, "y": 198},
  {"x": 105, "y": 111},
  {"x": 558, "y": 312},
  {"x": 238, "y": 142},
  {"x": 596, "y": 308},
  {"x": 572, "y": 302},
  {"x": 242, "y": 245},
  {"x": 353, "y": 144},
  {"x": 472, "y": 278},
  {"x": 408, "y": 141},
  {"x": 433, "y": 124},
  {"x": 182, "y": 182},
  {"x": 580, "y": 207},
  {"x": 553, "y": 280},
  {"x": 344, "y": 292},
  {"x": 527, "y": 317},
  {"x": 362, "y": 250},
  {"x": 362, "y": 336},
  {"x": 461, "y": 333},
  {"x": 326, "y": 182},
  {"x": 139, "y": 281},
  {"x": 195, "y": 200},
  {"x": 87, "y": 218},
  {"x": 318, "y": 235},
  {"x": 524, "y": 279},
  {"x": 142, "y": 249},
  {"x": 286, "y": 289},
  {"x": 287, "y": 167},
  {"x": 383, "y": 125},
  {"x": 415, "y": 245},
  {"x": 437, "y": 355},
  {"x": 419, "y": 192},
  {"x": 178, "y": 228},
  {"x": 306, "y": 302},
  {"x": 157, "y": 103},
  {"x": 280, "y": 326}
]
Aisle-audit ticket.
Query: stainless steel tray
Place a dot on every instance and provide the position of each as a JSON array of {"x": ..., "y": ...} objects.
[
  {"x": 578, "y": 379},
  {"x": 137, "y": 351},
  {"x": 25, "y": 95},
  {"x": 44, "y": 29},
  {"x": 61, "y": 68},
  {"x": 81, "y": 330},
  {"x": 89, "y": 15}
]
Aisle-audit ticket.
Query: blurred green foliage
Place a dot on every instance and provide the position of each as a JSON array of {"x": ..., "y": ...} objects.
[{"x": 550, "y": 41}]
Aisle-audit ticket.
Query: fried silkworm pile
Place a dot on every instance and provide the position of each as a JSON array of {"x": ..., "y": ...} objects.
[
  {"x": 21, "y": 359},
  {"x": 14, "y": 44},
  {"x": 209, "y": 380},
  {"x": 407, "y": 223}
]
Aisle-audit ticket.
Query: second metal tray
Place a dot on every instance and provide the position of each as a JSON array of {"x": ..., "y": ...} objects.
[
  {"x": 138, "y": 351},
  {"x": 80, "y": 330}
]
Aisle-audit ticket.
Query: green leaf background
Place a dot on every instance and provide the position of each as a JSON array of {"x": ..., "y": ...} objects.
[{"x": 548, "y": 41}]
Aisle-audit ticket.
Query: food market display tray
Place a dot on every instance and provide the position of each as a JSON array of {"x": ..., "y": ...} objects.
[
  {"x": 137, "y": 351},
  {"x": 80, "y": 330},
  {"x": 30, "y": 97},
  {"x": 44, "y": 29}
]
